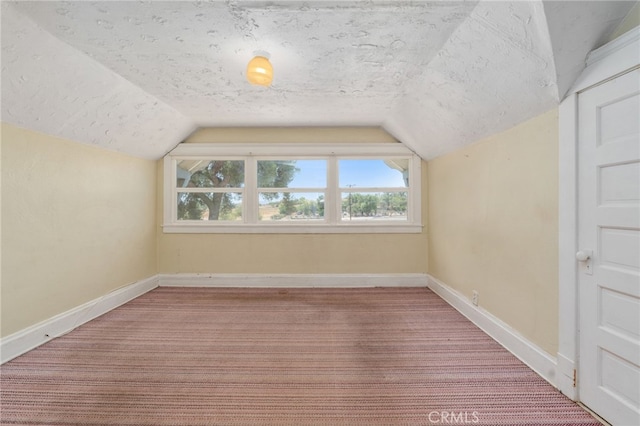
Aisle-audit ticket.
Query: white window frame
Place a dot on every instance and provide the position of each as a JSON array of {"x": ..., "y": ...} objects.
[{"x": 332, "y": 222}]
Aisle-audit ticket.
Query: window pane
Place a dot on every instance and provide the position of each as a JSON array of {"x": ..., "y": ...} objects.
[
  {"x": 224, "y": 206},
  {"x": 292, "y": 174},
  {"x": 210, "y": 174},
  {"x": 288, "y": 206},
  {"x": 374, "y": 205},
  {"x": 390, "y": 173}
]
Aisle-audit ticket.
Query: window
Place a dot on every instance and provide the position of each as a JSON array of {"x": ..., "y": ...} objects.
[
  {"x": 291, "y": 188},
  {"x": 374, "y": 188},
  {"x": 210, "y": 189}
]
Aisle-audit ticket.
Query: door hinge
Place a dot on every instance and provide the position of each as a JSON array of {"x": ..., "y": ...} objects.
[{"x": 575, "y": 378}]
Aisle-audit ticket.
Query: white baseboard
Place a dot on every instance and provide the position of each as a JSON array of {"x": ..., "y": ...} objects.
[
  {"x": 25, "y": 340},
  {"x": 529, "y": 353},
  {"x": 293, "y": 280}
]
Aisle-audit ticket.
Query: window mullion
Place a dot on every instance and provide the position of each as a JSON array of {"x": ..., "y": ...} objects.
[
  {"x": 171, "y": 192},
  {"x": 208, "y": 190},
  {"x": 332, "y": 203},
  {"x": 250, "y": 198},
  {"x": 373, "y": 189},
  {"x": 414, "y": 207}
]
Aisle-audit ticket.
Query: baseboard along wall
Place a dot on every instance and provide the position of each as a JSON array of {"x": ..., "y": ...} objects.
[
  {"x": 293, "y": 280},
  {"x": 30, "y": 338},
  {"x": 525, "y": 350},
  {"x": 25, "y": 340}
]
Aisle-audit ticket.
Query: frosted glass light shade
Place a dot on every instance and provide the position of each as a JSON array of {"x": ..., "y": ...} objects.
[{"x": 260, "y": 71}]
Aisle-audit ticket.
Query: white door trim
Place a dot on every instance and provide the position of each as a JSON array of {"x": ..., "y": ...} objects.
[
  {"x": 608, "y": 61},
  {"x": 612, "y": 59}
]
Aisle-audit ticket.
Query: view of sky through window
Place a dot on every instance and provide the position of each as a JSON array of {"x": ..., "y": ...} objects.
[
  {"x": 363, "y": 173},
  {"x": 309, "y": 174},
  {"x": 368, "y": 174}
]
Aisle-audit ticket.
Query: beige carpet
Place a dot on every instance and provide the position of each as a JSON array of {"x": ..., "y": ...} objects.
[{"x": 185, "y": 356}]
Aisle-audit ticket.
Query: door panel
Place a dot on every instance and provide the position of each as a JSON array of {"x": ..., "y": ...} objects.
[
  {"x": 616, "y": 184},
  {"x": 616, "y": 308},
  {"x": 609, "y": 229},
  {"x": 618, "y": 378},
  {"x": 615, "y": 126}
]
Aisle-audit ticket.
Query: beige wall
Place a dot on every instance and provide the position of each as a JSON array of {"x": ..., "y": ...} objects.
[
  {"x": 291, "y": 253},
  {"x": 77, "y": 223},
  {"x": 493, "y": 225}
]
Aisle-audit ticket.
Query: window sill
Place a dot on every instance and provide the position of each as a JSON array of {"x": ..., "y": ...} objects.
[{"x": 404, "y": 228}]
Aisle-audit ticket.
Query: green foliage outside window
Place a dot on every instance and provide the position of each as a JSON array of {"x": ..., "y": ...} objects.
[
  {"x": 358, "y": 204},
  {"x": 229, "y": 174}
]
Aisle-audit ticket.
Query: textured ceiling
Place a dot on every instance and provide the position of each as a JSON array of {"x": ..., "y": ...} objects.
[{"x": 138, "y": 77}]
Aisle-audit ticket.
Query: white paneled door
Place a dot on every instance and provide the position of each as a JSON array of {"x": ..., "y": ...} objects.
[{"x": 609, "y": 248}]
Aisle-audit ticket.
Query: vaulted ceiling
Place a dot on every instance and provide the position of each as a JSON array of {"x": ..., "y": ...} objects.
[{"x": 138, "y": 77}]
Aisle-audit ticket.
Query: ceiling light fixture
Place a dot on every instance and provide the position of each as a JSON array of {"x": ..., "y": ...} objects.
[{"x": 260, "y": 71}]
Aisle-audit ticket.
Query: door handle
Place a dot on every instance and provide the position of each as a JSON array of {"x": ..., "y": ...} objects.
[{"x": 584, "y": 255}]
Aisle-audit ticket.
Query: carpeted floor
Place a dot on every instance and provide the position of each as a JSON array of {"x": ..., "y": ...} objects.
[{"x": 198, "y": 356}]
